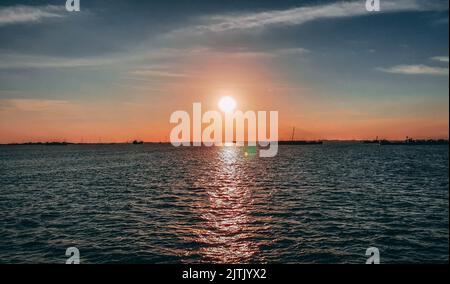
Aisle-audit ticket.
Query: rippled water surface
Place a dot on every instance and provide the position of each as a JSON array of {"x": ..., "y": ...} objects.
[{"x": 159, "y": 204}]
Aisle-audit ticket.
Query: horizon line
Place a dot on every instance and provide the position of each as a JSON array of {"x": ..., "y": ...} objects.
[{"x": 202, "y": 142}]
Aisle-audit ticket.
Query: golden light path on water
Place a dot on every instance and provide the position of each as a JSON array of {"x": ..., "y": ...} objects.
[{"x": 228, "y": 231}]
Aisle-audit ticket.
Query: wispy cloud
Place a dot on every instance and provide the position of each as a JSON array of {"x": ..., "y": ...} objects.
[
  {"x": 293, "y": 51},
  {"x": 147, "y": 72},
  {"x": 440, "y": 58},
  {"x": 28, "y": 61},
  {"x": 24, "y": 61},
  {"x": 416, "y": 70},
  {"x": 31, "y": 105},
  {"x": 229, "y": 53},
  {"x": 171, "y": 69},
  {"x": 26, "y": 14},
  {"x": 301, "y": 15}
]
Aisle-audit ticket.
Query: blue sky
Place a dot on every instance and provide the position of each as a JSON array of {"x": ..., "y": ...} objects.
[{"x": 322, "y": 60}]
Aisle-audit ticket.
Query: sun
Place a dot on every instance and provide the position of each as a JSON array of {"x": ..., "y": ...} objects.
[{"x": 227, "y": 104}]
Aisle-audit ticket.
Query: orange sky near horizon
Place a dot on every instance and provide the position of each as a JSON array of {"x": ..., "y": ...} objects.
[
  {"x": 141, "y": 109},
  {"x": 38, "y": 121}
]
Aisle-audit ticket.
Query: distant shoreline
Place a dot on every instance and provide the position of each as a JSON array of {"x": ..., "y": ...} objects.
[{"x": 293, "y": 143}]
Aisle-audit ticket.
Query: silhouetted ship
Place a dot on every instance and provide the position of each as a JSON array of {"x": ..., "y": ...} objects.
[
  {"x": 407, "y": 142},
  {"x": 412, "y": 142},
  {"x": 376, "y": 141},
  {"x": 136, "y": 142}
]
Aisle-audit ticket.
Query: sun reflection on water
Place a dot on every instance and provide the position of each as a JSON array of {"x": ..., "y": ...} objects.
[{"x": 228, "y": 231}]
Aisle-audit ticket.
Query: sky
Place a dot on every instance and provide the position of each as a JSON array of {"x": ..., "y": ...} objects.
[{"x": 116, "y": 70}]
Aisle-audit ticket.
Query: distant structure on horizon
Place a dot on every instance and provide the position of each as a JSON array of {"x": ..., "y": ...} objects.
[
  {"x": 298, "y": 142},
  {"x": 408, "y": 142}
]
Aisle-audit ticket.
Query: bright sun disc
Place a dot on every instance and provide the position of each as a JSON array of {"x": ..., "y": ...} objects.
[{"x": 227, "y": 104}]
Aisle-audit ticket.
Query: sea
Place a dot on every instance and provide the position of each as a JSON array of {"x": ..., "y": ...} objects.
[{"x": 157, "y": 204}]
